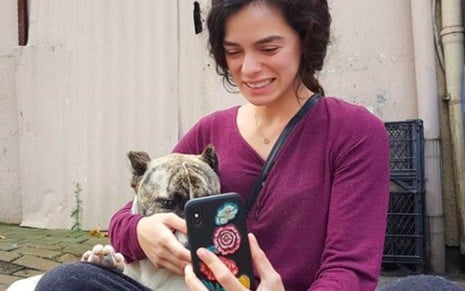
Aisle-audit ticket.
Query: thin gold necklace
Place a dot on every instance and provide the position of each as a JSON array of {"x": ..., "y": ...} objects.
[{"x": 266, "y": 140}]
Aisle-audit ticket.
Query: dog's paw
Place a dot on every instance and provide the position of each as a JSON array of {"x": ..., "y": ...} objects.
[{"x": 105, "y": 256}]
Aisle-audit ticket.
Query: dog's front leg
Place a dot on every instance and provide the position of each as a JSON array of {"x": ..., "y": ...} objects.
[{"x": 105, "y": 256}]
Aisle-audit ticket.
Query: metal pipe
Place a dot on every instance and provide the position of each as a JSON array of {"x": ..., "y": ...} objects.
[
  {"x": 452, "y": 35},
  {"x": 428, "y": 111}
]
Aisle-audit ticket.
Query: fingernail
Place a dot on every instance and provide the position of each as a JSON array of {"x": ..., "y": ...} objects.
[
  {"x": 188, "y": 268},
  {"x": 202, "y": 252},
  {"x": 251, "y": 236}
]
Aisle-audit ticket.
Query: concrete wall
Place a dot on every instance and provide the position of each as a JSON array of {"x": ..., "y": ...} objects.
[
  {"x": 10, "y": 185},
  {"x": 371, "y": 59},
  {"x": 98, "y": 79}
]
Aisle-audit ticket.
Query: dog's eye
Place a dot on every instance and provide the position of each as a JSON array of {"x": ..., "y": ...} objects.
[{"x": 168, "y": 204}]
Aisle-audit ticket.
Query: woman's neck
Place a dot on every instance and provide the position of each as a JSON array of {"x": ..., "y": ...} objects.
[{"x": 283, "y": 109}]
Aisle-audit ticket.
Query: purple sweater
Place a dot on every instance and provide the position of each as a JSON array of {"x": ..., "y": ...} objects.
[{"x": 321, "y": 215}]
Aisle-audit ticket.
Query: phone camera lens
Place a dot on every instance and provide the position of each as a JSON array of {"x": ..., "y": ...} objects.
[{"x": 197, "y": 216}]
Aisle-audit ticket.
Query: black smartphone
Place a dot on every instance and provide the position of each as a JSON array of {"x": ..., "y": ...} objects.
[{"x": 218, "y": 223}]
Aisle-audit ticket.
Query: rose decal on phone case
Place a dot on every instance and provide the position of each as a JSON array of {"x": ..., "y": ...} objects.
[
  {"x": 229, "y": 263},
  {"x": 227, "y": 239}
]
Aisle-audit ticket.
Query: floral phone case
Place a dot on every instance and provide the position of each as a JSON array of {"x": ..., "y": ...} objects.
[{"x": 218, "y": 223}]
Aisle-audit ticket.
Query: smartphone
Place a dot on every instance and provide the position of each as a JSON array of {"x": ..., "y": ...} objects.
[{"x": 218, "y": 223}]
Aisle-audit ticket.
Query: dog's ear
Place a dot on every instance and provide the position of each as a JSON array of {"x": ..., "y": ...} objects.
[
  {"x": 139, "y": 161},
  {"x": 210, "y": 157}
]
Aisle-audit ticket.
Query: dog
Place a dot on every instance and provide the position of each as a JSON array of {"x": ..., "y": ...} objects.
[{"x": 162, "y": 185}]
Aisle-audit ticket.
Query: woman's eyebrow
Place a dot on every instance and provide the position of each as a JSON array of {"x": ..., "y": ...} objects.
[
  {"x": 270, "y": 39},
  {"x": 229, "y": 43},
  {"x": 261, "y": 41}
]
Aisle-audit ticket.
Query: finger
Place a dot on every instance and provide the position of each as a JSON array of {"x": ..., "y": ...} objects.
[
  {"x": 174, "y": 222},
  {"x": 179, "y": 252},
  {"x": 192, "y": 282},
  {"x": 222, "y": 274},
  {"x": 261, "y": 263},
  {"x": 173, "y": 264},
  {"x": 166, "y": 255},
  {"x": 173, "y": 248},
  {"x": 175, "y": 268}
]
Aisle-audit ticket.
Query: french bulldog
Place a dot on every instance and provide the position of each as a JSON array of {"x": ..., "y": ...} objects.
[{"x": 162, "y": 185}]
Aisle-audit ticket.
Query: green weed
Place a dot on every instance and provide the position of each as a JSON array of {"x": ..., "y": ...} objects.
[{"x": 77, "y": 210}]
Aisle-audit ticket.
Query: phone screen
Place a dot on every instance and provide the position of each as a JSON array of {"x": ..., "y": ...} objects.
[{"x": 218, "y": 223}]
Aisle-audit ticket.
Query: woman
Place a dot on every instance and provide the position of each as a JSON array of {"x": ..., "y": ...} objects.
[{"x": 320, "y": 217}]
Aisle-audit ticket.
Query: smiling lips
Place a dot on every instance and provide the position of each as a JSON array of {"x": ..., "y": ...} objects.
[{"x": 259, "y": 84}]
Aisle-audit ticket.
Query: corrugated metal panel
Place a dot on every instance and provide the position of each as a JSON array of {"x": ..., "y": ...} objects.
[{"x": 101, "y": 80}]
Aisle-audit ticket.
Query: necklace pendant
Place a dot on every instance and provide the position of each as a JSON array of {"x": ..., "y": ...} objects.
[{"x": 266, "y": 140}]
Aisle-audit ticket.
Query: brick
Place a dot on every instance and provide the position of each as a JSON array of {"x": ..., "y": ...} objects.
[
  {"x": 36, "y": 263},
  {"x": 50, "y": 247},
  {"x": 8, "y": 246},
  {"x": 70, "y": 240},
  {"x": 25, "y": 273},
  {"x": 95, "y": 240},
  {"x": 9, "y": 268},
  {"x": 37, "y": 252},
  {"x": 76, "y": 249},
  {"x": 8, "y": 256},
  {"x": 42, "y": 241},
  {"x": 68, "y": 258},
  {"x": 26, "y": 235},
  {"x": 74, "y": 234}
]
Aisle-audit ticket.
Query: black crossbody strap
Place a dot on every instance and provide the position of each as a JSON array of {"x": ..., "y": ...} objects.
[{"x": 277, "y": 146}]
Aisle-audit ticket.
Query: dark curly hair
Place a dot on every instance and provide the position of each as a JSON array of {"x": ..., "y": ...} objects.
[{"x": 309, "y": 18}]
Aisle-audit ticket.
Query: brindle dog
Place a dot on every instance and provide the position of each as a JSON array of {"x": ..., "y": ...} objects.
[{"x": 162, "y": 185}]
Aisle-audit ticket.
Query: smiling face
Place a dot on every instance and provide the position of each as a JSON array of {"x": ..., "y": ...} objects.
[{"x": 262, "y": 53}]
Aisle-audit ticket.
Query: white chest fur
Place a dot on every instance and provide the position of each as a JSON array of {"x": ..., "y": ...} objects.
[{"x": 155, "y": 278}]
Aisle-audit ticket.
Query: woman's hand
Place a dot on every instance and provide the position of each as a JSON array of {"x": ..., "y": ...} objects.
[
  {"x": 269, "y": 278},
  {"x": 156, "y": 238}
]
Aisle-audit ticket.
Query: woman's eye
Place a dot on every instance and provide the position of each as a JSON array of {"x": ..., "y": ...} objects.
[
  {"x": 231, "y": 53},
  {"x": 270, "y": 49}
]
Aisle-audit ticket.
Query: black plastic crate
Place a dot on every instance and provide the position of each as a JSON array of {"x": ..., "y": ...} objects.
[
  {"x": 406, "y": 141},
  {"x": 405, "y": 239}
]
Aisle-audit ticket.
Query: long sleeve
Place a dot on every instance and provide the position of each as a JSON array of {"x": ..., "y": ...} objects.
[
  {"x": 358, "y": 210},
  {"x": 123, "y": 233}
]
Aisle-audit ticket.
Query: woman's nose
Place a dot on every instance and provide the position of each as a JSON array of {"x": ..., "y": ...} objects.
[{"x": 251, "y": 64}]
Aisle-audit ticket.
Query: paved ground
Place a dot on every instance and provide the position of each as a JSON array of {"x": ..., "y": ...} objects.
[{"x": 26, "y": 252}]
